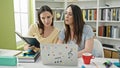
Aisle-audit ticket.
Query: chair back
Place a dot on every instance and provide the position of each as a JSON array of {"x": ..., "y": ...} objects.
[{"x": 98, "y": 49}]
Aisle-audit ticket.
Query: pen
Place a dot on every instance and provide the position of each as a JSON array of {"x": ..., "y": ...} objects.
[{"x": 95, "y": 64}]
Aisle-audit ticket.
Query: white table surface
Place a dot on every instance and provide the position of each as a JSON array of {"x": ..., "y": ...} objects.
[{"x": 38, "y": 64}]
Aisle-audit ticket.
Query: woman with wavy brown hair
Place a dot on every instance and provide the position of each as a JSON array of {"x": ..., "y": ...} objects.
[{"x": 76, "y": 31}]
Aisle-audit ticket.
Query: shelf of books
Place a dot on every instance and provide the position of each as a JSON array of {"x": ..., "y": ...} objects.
[
  {"x": 89, "y": 15},
  {"x": 109, "y": 21},
  {"x": 110, "y": 14},
  {"x": 89, "y": 11}
]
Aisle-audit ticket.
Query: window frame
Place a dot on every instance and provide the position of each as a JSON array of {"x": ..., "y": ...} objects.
[{"x": 19, "y": 10}]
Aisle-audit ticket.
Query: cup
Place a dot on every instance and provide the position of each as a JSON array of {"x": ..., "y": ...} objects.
[{"x": 87, "y": 57}]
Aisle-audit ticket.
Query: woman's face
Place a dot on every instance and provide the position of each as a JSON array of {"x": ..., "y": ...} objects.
[
  {"x": 68, "y": 16},
  {"x": 46, "y": 18}
]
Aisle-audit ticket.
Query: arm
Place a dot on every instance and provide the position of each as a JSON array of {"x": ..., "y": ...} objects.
[
  {"x": 31, "y": 32},
  {"x": 61, "y": 37},
  {"x": 88, "y": 47}
]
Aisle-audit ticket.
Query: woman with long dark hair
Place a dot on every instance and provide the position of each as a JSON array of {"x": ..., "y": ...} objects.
[
  {"x": 76, "y": 31},
  {"x": 44, "y": 31}
]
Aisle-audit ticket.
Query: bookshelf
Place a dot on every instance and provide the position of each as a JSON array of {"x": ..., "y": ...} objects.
[
  {"x": 96, "y": 13},
  {"x": 109, "y": 21}
]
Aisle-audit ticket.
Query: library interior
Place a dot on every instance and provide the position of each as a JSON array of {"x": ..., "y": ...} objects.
[{"x": 17, "y": 16}]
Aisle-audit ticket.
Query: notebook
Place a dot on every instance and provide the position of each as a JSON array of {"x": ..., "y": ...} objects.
[{"x": 59, "y": 54}]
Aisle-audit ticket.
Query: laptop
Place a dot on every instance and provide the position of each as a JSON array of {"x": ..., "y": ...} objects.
[{"x": 59, "y": 54}]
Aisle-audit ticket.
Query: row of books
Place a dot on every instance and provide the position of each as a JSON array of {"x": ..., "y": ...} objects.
[
  {"x": 58, "y": 15},
  {"x": 109, "y": 31},
  {"x": 110, "y": 14},
  {"x": 89, "y": 14}
]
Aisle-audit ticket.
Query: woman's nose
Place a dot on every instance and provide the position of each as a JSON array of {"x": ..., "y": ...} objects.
[{"x": 46, "y": 20}]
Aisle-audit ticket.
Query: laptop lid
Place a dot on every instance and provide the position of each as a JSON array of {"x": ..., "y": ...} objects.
[{"x": 59, "y": 54}]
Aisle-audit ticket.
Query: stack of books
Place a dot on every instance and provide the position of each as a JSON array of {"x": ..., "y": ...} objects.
[{"x": 22, "y": 58}]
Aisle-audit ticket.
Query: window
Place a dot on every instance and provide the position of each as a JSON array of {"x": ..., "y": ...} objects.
[{"x": 21, "y": 17}]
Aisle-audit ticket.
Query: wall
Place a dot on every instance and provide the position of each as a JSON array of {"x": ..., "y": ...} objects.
[
  {"x": 7, "y": 36},
  {"x": 7, "y": 26}
]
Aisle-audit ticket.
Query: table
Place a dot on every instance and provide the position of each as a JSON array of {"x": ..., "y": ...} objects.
[{"x": 38, "y": 64}]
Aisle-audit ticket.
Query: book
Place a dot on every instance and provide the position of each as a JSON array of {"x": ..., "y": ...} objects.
[
  {"x": 101, "y": 30},
  {"x": 27, "y": 58},
  {"x": 84, "y": 14},
  {"x": 115, "y": 32},
  {"x": 8, "y": 57},
  {"x": 7, "y": 52},
  {"x": 114, "y": 14},
  {"x": 29, "y": 40}
]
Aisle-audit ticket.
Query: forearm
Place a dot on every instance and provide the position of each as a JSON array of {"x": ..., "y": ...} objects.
[
  {"x": 83, "y": 51},
  {"x": 88, "y": 47}
]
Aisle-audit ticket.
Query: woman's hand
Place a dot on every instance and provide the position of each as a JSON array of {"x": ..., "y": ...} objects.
[{"x": 28, "y": 47}]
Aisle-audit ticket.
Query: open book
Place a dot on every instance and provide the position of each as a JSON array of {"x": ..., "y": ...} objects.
[{"x": 30, "y": 40}]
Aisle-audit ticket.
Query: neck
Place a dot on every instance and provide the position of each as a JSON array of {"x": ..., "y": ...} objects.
[
  {"x": 48, "y": 28},
  {"x": 71, "y": 28}
]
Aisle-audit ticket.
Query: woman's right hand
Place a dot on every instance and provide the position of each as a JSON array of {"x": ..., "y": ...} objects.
[{"x": 26, "y": 47}]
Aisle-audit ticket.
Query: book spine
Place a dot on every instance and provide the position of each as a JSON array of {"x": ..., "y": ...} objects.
[
  {"x": 84, "y": 14},
  {"x": 114, "y": 14},
  {"x": 86, "y": 17},
  {"x": 117, "y": 14},
  {"x": 115, "y": 32},
  {"x": 95, "y": 14},
  {"x": 101, "y": 28}
]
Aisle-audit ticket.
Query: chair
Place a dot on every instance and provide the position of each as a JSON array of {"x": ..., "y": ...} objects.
[{"x": 98, "y": 49}]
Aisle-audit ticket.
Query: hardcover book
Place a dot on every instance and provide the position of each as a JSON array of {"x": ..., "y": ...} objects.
[{"x": 30, "y": 40}]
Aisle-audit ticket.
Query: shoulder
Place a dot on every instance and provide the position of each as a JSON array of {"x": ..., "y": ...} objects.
[
  {"x": 56, "y": 30},
  {"x": 34, "y": 25},
  {"x": 88, "y": 31},
  {"x": 87, "y": 28},
  {"x": 62, "y": 34}
]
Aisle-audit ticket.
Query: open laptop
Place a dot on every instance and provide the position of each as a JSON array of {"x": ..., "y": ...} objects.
[{"x": 59, "y": 54}]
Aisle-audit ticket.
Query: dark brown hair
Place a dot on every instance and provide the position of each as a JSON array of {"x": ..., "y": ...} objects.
[
  {"x": 77, "y": 25},
  {"x": 41, "y": 10}
]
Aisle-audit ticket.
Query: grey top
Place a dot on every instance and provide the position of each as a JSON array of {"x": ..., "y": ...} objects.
[{"x": 87, "y": 34}]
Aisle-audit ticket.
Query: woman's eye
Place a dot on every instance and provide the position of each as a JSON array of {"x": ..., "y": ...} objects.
[
  {"x": 48, "y": 17},
  {"x": 42, "y": 18}
]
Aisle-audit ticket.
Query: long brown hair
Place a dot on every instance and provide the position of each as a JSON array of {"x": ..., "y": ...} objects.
[
  {"x": 77, "y": 25},
  {"x": 41, "y": 10}
]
